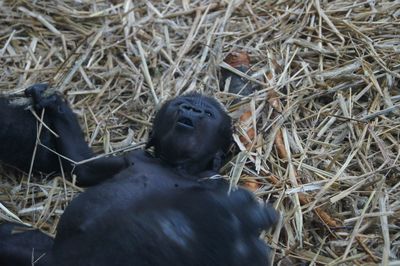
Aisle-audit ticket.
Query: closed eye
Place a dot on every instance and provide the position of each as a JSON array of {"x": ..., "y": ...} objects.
[{"x": 208, "y": 113}]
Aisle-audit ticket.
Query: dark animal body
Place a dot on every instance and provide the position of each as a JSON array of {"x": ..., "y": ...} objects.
[
  {"x": 19, "y": 134},
  {"x": 192, "y": 226},
  {"x": 190, "y": 132},
  {"x": 162, "y": 210},
  {"x": 24, "y": 247}
]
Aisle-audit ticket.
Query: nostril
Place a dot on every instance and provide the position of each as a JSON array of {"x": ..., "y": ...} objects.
[{"x": 185, "y": 107}]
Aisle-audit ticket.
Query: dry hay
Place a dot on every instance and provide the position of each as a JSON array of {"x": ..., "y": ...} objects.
[{"x": 326, "y": 148}]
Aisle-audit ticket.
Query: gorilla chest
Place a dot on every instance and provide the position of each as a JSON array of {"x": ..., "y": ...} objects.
[{"x": 134, "y": 185}]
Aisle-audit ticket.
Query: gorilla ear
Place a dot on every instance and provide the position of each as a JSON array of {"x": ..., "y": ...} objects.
[
  {"x": 219, "y": 158},
  {"x": 151, "y": 142}
]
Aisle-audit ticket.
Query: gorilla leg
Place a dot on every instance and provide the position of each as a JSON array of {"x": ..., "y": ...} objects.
[
  {"x": 71, "y": 142},
  {"x": 18, "y": 137}
]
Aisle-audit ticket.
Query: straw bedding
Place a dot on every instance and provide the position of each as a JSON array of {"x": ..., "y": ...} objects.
[{"x": 325, "y": 124}]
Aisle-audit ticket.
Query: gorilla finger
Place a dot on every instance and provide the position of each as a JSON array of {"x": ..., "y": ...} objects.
[
  {"x": 51, "y": 101},
  {"x": 35, "y": 91}
]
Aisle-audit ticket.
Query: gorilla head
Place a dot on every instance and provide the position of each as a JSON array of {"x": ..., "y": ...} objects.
[{"x": 192, "y": 131}]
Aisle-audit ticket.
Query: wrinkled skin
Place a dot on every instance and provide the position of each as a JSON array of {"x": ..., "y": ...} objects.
[
  {"x": 192, "y": 132},
  {"x": 163, "y": 209}
]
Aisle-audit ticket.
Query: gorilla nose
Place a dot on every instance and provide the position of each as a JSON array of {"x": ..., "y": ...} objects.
[{"x": 188, "y": 115}]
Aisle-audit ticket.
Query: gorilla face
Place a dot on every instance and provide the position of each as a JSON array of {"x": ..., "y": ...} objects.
[{"x": 192, "y": 128}]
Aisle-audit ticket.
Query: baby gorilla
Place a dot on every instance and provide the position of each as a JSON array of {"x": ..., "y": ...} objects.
[
  {"x": 194, "y": 226},
  {"x": 191, "y": 133},
  {"x": 164, "y": 205}
]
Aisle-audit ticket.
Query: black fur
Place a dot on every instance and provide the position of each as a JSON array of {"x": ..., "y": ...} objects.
[
  {"x": 193, "y": 226},
  {"x": 20, "y": 246},
  {"x": 193, "y": 132},
  {"x": 163, "y": 209},
  {"x": 18, "y": 135}
]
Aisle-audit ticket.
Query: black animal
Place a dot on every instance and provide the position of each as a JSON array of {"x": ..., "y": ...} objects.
[
  {"x": 191, "y": 135},
  {"x": 19, "y": 135},
  {"x": 23, "y": 246},
  {"x": 195, "y": 226}
]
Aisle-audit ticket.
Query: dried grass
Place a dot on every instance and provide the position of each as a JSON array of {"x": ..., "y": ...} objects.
[{"x": 326, "y": 148}]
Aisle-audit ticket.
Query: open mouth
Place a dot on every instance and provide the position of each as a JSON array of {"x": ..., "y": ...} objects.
[{"x": 185, "y": 122}]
